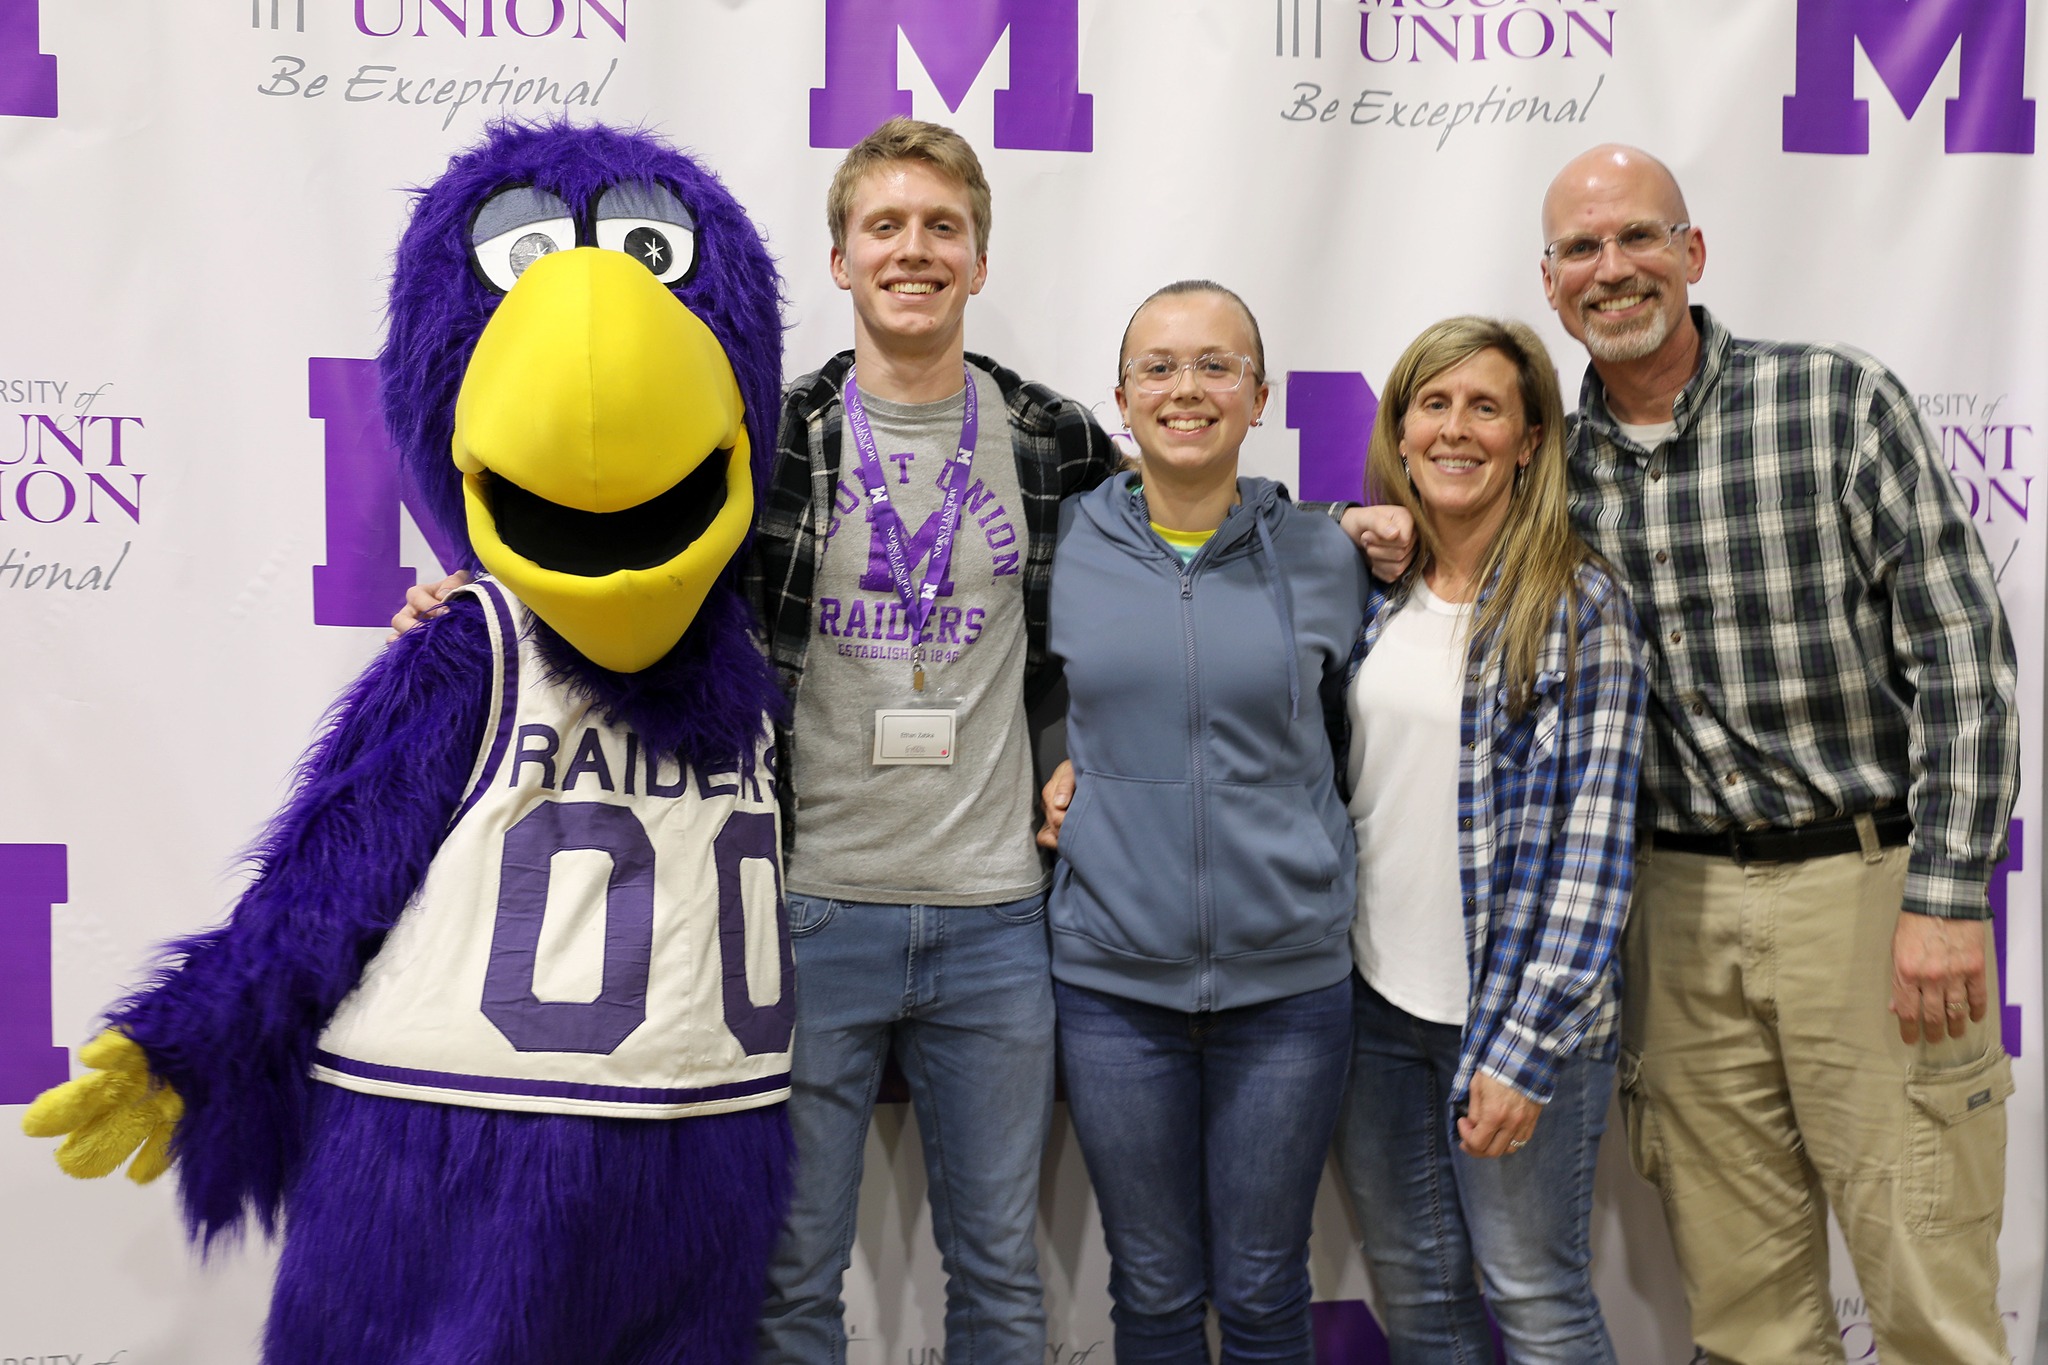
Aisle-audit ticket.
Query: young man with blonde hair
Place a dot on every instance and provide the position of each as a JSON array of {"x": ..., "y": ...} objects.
[{"x": 916, "y": 485}]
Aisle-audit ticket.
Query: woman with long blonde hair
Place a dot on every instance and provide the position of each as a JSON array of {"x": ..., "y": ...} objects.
[{"x": 1496, "y": 706}]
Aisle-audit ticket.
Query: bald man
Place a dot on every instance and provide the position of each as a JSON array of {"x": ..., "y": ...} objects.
[{"x": 1833, "y": 761}]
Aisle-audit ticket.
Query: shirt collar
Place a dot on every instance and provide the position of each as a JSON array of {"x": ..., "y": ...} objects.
[{"x": 1691, "y": 400}]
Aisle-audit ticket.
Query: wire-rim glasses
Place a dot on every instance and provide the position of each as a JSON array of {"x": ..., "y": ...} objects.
[
  {"x": 1645, "y": 238},
  {"x": 1159, "y": 371}
]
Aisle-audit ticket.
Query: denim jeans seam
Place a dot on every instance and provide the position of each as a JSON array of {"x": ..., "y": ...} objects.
[
  {"x": 1589, "y": 1152},
  {"x": 1446, "y": 1279},
  {"x": 1581, "y": 1231},
  {"x": 843, "y": 1236},
  {"x": 1010, "y": 921},
  {"x": 845, "y": 1229},
  {"x": 913, "y": 952},
  {"x": 938, "y": 1189}
]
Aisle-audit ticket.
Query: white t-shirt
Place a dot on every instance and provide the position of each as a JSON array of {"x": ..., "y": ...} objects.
[
  {"x": 1405, "y": 705},
  {"x": 1648, "y": 435}
]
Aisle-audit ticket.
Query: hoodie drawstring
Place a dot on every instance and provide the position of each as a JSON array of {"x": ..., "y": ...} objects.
[{"x": 1283, "y": 604}]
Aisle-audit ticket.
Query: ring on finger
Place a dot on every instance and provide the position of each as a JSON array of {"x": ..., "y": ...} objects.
[
  {"x": 1517, "y": 1144},
  {"x": 1956, "y": 1007}
]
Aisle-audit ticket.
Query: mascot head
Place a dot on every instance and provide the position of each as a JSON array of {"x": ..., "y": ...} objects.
[{"x": 580, "y": 374}]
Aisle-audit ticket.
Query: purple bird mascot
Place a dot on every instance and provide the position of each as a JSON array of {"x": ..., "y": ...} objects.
[{"x": 498, "y": 1037}]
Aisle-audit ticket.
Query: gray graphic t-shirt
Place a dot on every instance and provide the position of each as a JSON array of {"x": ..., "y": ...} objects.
[{"x": 958, "y": 835}]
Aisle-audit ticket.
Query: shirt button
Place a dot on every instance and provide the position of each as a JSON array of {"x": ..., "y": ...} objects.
[
  {"x": 1699, "y": 708},
  {"x": 1676, "y": 636},
  {"x": 1733, "y": 778},
  {"x": 1466, "y": 823},
  {"x": 1656, "y": 474},
  {"x": 1661, "y": 556}
]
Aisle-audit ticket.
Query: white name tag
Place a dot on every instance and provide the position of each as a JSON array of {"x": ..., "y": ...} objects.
[{"x": 914, "y": 736}]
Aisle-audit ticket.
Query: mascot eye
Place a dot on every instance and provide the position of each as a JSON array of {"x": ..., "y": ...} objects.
[
  {"x": 652, "y": 225},
  {"x": 505, "y": 257},
  {"x": 515, "y": 228},
  {"x": 666, "y": 249}
]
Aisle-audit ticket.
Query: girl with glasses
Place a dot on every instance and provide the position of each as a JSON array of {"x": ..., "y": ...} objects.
[{"x": 1202, "y": 905}]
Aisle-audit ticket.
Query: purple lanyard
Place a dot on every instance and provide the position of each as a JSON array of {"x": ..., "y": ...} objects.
[{"x": 918, "y": 599}]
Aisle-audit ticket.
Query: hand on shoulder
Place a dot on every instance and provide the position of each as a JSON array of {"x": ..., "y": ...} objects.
[{"x": 1385, "y": 535}]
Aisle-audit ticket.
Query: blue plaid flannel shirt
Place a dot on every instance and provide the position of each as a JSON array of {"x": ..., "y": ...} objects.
[{"x": 1546, "y": 839}]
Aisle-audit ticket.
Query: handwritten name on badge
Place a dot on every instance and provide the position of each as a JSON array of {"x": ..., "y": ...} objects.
[{"x": 916, "y": 736}]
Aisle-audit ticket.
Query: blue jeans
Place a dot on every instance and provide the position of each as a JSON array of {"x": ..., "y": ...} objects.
[
  {"x": 963, "y": 995},
  {"x": 1430, "y": 1214},
  {"x": 1205, "y": 1136}
]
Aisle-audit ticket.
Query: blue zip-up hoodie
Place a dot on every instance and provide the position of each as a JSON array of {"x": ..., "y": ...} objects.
[{"x": 1207, "y": 860}]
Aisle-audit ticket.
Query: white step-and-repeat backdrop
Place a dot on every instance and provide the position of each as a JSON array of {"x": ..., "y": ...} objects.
[{"x": 200, "y": 533}]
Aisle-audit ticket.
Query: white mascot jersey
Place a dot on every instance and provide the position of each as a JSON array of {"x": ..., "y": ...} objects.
[{"x": 602, "y": 931}]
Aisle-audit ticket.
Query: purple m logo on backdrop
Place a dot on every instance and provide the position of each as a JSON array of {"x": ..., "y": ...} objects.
[
  {"x": 1333, "y": 411},
  {"x": 32, "y": 880},
  {"x": 363, "y": 580},
  {"x": 28, "y": 75},
  {"x": 1908, "y": 41},
  {"x": 1043, "y": 110}
]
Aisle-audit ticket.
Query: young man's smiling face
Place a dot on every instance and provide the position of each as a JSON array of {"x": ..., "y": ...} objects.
[{"x": 910, "y": 259}]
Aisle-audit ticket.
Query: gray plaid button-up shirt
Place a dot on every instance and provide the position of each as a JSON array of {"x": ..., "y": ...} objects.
[{"x": 1824, "y": 627}]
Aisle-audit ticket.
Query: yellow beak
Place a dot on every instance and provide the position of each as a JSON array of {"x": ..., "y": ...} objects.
[{"x": 603, "y": 446}]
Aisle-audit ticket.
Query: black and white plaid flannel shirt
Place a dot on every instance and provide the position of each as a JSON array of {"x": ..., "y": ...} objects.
[{"x": 1824, "y": 626}]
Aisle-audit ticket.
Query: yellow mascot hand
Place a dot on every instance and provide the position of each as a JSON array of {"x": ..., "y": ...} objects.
[{"x": 109, "y": 1114}]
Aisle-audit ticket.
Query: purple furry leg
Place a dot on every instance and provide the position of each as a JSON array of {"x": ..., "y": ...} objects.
[{"x": 425, "y": 1234}]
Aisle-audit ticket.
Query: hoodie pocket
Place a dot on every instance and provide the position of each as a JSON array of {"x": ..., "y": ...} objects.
[
  {"x": 1125, "y": 878},
  {"x": 1274, "y": 869}
]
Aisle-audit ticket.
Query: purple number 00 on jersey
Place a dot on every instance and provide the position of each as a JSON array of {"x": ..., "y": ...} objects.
[{"x": 600, "y": 1025}]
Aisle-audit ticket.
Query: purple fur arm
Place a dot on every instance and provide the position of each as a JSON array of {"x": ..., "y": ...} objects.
[{"x": 230, "y": 1017}]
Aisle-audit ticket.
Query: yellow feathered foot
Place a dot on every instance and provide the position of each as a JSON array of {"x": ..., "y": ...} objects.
[{"x": 109, "y": 1114}]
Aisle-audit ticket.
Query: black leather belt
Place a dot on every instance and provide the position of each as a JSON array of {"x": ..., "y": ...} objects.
[{"x": 1821, "y": 839}]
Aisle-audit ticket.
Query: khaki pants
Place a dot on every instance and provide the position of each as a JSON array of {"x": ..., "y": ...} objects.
[{"x": 1763, "y": 1081}]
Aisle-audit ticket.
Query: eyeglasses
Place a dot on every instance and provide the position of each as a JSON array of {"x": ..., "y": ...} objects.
[
  {"x": 1636, "y": 239},
  {"x": 1215, "y": 371}
]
